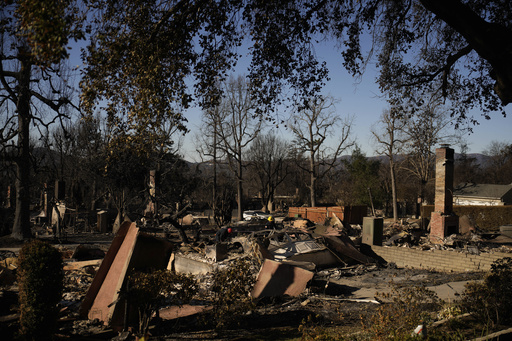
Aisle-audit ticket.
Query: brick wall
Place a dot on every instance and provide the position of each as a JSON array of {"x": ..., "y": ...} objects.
[
  {"x": 440, "y": 260},
  {"x": 348, "y": 214}
]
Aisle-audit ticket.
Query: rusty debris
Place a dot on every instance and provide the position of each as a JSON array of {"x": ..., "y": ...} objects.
[{"x": 277, "y": 279}]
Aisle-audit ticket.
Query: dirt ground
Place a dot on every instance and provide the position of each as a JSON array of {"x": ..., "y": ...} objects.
[{"x": 330, "y": 303}]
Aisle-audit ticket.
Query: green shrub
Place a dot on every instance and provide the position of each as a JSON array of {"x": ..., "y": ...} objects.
[
  {"x": 40, "y": 279},
  {"x": 149, "y": 291},
  {"x": 491, "y": 300}
]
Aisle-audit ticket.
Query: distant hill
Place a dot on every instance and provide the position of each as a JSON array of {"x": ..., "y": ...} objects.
[{"x": 480, "y": 159}]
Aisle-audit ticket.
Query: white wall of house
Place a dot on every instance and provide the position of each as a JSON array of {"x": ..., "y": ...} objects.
[{"x": 477, "y": 202}]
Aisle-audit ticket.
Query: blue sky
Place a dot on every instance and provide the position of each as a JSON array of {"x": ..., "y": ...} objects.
[
  {"x": 358, "y": 99},
  {"x": 362, "y": 100}
]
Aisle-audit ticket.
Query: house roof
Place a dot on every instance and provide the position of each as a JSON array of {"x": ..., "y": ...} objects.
[{"x": 482, "y": 190}]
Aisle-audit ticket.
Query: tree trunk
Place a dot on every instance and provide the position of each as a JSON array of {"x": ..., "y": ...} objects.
[
  {"x": 239, "y": 188},
  {"x": 393, "y": 189},
  {"x": 214, "y": 189},
  {"x": 491, "y": 41},
  {"x": 120, "y": 212},
  {"x": 312, "y": 172},
  {"x": 21, "y": 226},
  {"x": 92, "y": 205},
  {"x": 312, "y": 191}
]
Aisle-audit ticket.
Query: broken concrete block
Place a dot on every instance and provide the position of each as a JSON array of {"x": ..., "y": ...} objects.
[
  {"x": 277, "y": 279},
  {"x": 187, "y": 265},
  {"x": 372, "y": 231}
]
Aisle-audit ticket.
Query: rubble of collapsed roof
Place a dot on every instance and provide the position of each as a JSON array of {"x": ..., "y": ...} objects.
[
  {"x": 470, "y": 238},
  {"x": 295, "y": 258}
]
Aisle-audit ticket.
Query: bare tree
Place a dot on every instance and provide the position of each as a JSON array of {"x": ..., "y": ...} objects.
[
  {"x": 207, "y": 146},
  {"x": 423, "y": 132},
  {"x": 32, "y": 91},
  {"x": 389, "y": 137},
  {"x": 237, "y": 129},
  {"x": 267, "y": 156},
  {"x": 313, "y": 126}
]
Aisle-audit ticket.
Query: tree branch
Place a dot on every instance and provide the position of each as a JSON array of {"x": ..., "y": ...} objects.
[{"x": 493, "y": 42}]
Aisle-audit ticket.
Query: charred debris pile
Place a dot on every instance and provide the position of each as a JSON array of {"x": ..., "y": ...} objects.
[{"x": 293, "y": 259}]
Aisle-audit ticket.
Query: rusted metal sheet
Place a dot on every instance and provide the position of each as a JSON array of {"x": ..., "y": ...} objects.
[
  {"x": 104, "y": 269},
  {"x": 130, "y": 250},
  {"x": 346, "y": 250},
  {"x": 277, "y": 279},
  {"x": 111, "y": 275}
]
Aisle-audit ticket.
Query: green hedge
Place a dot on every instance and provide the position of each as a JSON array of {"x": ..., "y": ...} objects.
[
  {"x": 40, "y": 281},
  {"x": 488, "y": 218}
]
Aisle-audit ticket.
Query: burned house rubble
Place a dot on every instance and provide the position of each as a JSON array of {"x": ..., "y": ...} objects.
[
  {"x": 299, "y": 260},
  {"x": 293, "y": 263}
]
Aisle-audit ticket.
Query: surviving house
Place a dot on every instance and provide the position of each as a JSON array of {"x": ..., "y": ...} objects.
[{"x": 482, "y": 194}]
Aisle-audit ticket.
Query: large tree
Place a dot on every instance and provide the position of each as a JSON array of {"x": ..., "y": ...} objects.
[
  {"x": 364, "y": 184},
  {"x": 237, "y": 130},
  {"x": 322, "y": 135},
  {"x": 466, "y": 168},
  {"x": 389, "y": 138},
  {"x": 33, "y": 40},
  {"x": 268, "y": 156},
  {"x": 207, "y": 146},
  {"x": 423, "y": 133},
  {"x": 143, "y": 52}
]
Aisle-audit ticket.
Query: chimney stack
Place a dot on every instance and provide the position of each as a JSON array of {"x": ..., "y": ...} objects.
[{"x": 443, "y": 222}]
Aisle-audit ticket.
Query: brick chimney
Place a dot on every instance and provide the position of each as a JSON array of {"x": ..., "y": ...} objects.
[{"x": 443, "y": 222}]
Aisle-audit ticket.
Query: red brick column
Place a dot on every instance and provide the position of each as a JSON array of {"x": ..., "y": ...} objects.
[{"x": 443, "y": 222}]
